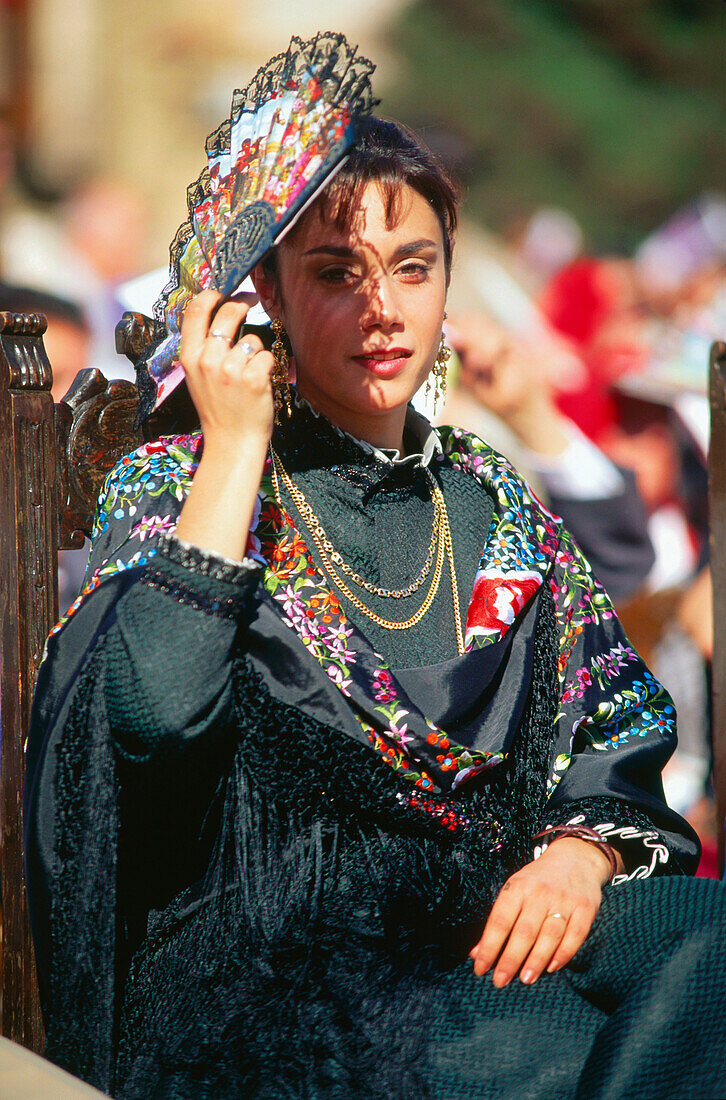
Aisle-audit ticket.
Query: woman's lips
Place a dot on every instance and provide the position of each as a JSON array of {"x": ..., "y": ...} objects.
[{"x": 384, "y": 364}]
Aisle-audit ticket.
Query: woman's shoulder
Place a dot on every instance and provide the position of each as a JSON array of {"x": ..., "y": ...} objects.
[
  {"x": 466, "y": 450},
  {"x": 153, "y": 477},
  {"x": 140, "y": 501}
]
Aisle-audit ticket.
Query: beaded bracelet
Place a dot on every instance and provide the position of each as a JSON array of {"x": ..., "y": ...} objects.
[{"x": 583, "y": 832}]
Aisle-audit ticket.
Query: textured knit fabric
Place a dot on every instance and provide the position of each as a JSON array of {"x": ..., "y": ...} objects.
[{"x": 256, "y": 860}]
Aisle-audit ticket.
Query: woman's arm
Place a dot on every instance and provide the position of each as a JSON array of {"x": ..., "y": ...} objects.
[
  {"x": 544, "y": 912},
  {"x": 172, "y": 631},
  {"x": 232, "y": 392},
  {"x": 192, "y": 593},
  {"x": 614, "y": 731}
]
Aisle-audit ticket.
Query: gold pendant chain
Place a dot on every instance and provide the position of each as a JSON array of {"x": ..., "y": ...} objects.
[
  {"x": 444, "y": 546},
  {"x": 454, "y": 583},
  {"x": 315, "y": 526}
]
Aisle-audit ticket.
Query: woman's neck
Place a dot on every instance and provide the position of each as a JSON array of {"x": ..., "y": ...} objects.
[{"x": 381, "y": 429}]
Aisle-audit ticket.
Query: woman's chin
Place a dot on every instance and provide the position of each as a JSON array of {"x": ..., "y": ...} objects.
[{"x": 387, "y": 395}]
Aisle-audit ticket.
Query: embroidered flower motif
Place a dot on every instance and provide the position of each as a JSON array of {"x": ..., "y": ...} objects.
[
  {"x": 383, "y": 686},
  {"x": 497, "y": 600},
  {"x": 338, "y": 677},
  {"x": 152, "y": 525}
]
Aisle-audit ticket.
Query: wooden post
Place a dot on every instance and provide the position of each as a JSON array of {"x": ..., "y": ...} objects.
[
  {"x": 717, "y": 522},
  {"x": 28, "y": 607}
]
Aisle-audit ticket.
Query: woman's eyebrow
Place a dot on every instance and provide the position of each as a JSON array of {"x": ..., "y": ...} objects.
[
  {"x": 346, "y": 253},
  {"x": 413, "y": 247},
  {"x": 342, "y": 251}
]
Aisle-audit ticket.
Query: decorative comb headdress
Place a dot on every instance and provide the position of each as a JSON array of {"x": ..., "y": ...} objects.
[{"x": 288, "y": 132}]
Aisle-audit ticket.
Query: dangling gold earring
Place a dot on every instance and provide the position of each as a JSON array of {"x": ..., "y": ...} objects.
[
  {"x": 438, "y": 373},
  {"x": 281, "y": 372}
]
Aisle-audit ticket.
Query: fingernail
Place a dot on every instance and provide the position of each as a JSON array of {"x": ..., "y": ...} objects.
[
  {"x": 527, "y": 976},
  {"x": 552, "y": 967},
  {"x": 500, "y": 979}
]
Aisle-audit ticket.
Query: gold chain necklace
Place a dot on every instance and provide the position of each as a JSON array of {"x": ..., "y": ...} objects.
[
  {"x": 331, "y": 553},
  {"x": 444, "y": 546}
]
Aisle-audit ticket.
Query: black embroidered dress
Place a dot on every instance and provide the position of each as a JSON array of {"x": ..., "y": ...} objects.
[{"x": 263, "y": 832}]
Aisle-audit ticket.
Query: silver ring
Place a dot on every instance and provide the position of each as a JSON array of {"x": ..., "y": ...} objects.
[
  {"x": 247, "y": 349},
  {"x": 216, "y": 335},
  {"x": 560, "y": 915}
]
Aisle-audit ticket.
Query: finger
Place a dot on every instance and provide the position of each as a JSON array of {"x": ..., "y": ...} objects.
[
  {"x": 554, "y": 928},
  {"x": 247, "y": 346},
  {"x": 255, "y": 372},
  {"x": 220, "y": 342},
  {"x": 247, "y": 297},
  {"x": 501, "y": 920},
  {"x": 241, "y": 360},
  {"x": 578, "y": 929},
  {"x": 227, "y": 321},
  {"x": 195, "y": 323},
  {"x": 519, "y": 944}
]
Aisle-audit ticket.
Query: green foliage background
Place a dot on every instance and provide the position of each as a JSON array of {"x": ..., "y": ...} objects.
[{"x": 613, "y": 109}]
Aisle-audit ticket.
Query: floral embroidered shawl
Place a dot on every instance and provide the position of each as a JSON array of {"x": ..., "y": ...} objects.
[{"x": 609, "y": 702}]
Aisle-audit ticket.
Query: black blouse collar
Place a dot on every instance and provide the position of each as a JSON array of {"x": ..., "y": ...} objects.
[{"x": 307, "y": 425}]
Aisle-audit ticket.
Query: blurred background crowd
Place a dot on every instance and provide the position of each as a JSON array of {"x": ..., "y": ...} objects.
[{"x": 590, "y": 271}]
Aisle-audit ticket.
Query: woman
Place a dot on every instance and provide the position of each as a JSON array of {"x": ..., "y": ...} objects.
[{"x": 288, "y": 775}]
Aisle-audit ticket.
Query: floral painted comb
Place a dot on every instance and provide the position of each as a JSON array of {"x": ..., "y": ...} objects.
[{"x": 288, "y": 132}]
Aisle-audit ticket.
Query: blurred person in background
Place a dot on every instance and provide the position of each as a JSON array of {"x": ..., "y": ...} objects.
[
  {"x": 594, "y": 303},
  {"x": 675, "y": 607},
  {"x": 505, "y": 396},
  {"x": 92, "y": 247}
]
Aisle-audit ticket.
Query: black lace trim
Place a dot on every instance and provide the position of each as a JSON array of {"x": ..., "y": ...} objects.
[
  {"x": 196, "y": 591},
  {"x": 205, "y": 562}
]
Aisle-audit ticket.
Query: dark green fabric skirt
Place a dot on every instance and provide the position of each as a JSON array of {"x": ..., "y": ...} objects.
[{"x": 639, "y": 1013}]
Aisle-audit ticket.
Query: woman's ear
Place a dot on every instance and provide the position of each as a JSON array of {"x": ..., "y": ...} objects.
[{"x": 266, "y": 286}]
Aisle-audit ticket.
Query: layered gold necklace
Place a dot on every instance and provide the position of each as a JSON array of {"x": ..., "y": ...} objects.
[{"x": 440, "y": 546}]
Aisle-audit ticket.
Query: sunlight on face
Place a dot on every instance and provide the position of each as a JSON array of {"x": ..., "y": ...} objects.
[{"x": 363, "y": 309}]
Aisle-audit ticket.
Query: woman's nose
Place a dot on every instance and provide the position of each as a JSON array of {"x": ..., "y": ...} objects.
[{"x": 381, "y": 308}]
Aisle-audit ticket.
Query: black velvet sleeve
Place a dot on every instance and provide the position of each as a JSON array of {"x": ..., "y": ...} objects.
[{"x": 170, "y": 650}]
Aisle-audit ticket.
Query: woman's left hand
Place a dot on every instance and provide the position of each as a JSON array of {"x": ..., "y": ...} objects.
[{"x": 544, "y": 912}]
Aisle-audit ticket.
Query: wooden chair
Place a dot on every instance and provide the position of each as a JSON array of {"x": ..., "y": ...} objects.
[
  {"x": 717, "y": 523},
  {"x": 53, "y": 459}
]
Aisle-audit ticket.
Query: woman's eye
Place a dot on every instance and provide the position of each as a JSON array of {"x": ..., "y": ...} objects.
[
  {"x": 415, "y": 271},
  {"x": 336, "y": 275}
]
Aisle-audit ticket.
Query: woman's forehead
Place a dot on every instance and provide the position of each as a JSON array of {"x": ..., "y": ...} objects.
[{"x": 372, "y": 218}]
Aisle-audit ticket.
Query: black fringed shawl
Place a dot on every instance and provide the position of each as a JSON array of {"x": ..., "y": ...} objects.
[{"x": 300, "y": 862}]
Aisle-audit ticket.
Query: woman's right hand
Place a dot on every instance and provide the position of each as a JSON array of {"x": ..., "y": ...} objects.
[{"x": 229, "y": 384}]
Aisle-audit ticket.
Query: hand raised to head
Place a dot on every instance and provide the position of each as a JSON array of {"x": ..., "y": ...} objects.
[{"x": 229, "y": 377}]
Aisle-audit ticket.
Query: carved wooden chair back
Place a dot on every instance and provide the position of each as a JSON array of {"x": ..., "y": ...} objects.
[
  {"x": 53, "y": 460},
  {"x": 717, "y": 524}
]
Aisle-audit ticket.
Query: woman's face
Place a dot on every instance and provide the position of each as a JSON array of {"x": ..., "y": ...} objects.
[{"x": 363, "y": 308}]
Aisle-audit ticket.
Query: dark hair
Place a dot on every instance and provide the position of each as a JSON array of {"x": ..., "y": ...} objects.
[
  {"x": 391, "y": 155},
  {"x": 21, "y": 299}
]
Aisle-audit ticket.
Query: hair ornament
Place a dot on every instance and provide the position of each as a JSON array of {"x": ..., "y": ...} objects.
[{"x": 288, "y": 132}]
